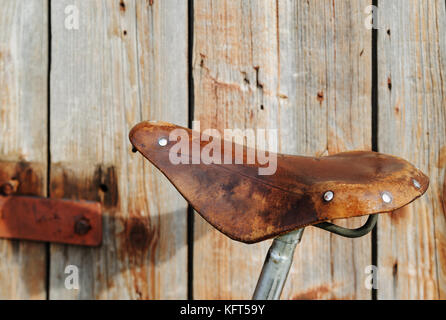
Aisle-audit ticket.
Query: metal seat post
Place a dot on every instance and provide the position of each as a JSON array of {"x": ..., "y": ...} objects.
[
  {"x": 280, "y": 257},
  {"x": 277, "y": 266}
]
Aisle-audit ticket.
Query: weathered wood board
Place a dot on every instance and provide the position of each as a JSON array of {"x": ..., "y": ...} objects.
[
  {"x": 126, "y": 62},
  {"x": 23, "y": 130},
  {"x": 412, "y": 124},
  {"x": 303, "y": 68}
]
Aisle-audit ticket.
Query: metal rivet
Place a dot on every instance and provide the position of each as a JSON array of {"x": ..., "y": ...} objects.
[
  {"x": 416, "y": 184},
  {"x": 328, "y": 196},
  {"x": 387, "y": 197},
  {"x": 162, "y": 142}
]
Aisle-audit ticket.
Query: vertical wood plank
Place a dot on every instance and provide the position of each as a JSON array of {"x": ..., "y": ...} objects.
[
  {"x": 412, "y": 114},
  {"x": 303, "y": 68},
  {"x": 127, "y": 62},
  {"x": 23, "y": 130},
  {"x": 326, "y": 74},
  {"x": 234, "y": 61}
]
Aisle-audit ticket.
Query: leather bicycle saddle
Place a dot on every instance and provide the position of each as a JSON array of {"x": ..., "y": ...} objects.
[{"x": 303, "y": 191}]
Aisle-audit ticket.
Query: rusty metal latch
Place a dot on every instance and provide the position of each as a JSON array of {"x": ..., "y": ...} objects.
[{"x": 42, "y": 219}]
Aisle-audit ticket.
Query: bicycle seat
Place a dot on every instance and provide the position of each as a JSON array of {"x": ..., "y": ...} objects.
[{"x": 303, "y": 191}]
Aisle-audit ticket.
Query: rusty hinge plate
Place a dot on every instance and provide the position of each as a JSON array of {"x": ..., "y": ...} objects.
[
  {"x": 51, "y": 220},
  {"x": 43, "y": 219}
]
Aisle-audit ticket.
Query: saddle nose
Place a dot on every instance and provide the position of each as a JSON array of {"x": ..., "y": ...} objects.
[{"x": 249, "y": 207}]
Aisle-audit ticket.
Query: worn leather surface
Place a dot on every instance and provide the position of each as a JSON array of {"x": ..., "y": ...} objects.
[{"x": 249, "y": 207}]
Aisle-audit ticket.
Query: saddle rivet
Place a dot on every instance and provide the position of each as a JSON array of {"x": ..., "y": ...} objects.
[
  {"x": 416, "y": 184},
  {"x": 162, "y": 142},
  {"x": 387, "y": 197},
  {"x": 328, "y": 196}
]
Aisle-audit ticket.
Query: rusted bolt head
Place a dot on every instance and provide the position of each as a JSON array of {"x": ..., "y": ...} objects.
[
  {"x": 82, "y": 226},
  {"x": 8, "y": 188}
]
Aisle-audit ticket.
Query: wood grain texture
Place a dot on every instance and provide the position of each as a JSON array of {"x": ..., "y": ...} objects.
[
  {"x": 296, "y": 67},
  {"x": 127, "y": 61},
  {"x": 412, "y": 118},
  {"x": 23, "y": 130}
]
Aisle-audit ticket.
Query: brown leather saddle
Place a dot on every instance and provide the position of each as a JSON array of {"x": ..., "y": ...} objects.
[{"x": 303, "y": 191}]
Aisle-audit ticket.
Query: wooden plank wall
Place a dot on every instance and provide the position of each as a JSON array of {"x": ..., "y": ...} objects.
[
  {"x": 292, "y": 66},
  {"x": 23, "y": 130},
  {"x": 301, "y": 67},
  {"x": 127, "y": 62},
  {"x": 412, "y": 124}
]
